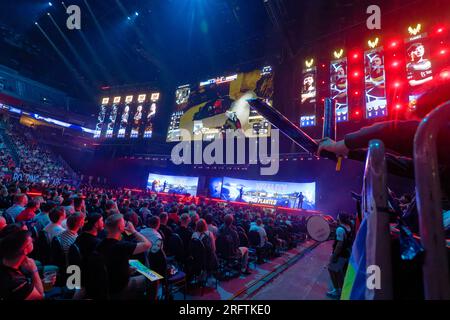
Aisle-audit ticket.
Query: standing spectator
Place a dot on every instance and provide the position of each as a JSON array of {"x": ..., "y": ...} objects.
[
  {"x": 211, "y": 227},
  {"x": 341, "y": 253}
]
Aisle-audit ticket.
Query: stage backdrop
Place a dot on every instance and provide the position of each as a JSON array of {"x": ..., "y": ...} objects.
[
  {"x": 277, "y": 193},
  {"x": 170, "y": 184}
]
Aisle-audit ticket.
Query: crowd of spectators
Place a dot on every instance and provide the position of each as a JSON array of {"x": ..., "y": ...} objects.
[{"x": 110, "y": 227}]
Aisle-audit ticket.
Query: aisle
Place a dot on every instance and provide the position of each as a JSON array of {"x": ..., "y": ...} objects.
[{"x": 306, "y": 280}]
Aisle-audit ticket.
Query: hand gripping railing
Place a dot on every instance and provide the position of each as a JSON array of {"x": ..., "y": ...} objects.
[
  {"x": 374, "y": 206},
  {"x": 428, "y": 195}
]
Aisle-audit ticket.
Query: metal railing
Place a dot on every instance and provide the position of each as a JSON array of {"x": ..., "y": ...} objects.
[
  {"x": 375, "y": 210},
  {"x": 429, "y": 197}
]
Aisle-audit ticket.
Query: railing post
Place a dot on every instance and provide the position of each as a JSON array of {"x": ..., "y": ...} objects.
[
  {"x": 428, "y": 196},
  {"x": 374, "y": 206}
]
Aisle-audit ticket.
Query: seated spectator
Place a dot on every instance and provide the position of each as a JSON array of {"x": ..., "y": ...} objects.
[
  {"x": 20, "y": 201},
  {"x": 263, "y": 242},
  {"x": 144, "y": 212},
  {"x": 209, "y": 241},
  {"x": 184, "y": 231},
  {"x": 211, "y": 226},
  {"x": 68, "y": 206},
  {"x": 79, "y": 205},
  {"x": 42, "y": 219},
  {"x": 153, "y": 235},
  {"x": 68, "y": 237},
  {"x": 2, "y": 223},
  {"x": 57, "y": 216},
  {"x": 19, "y": 276},
  {"x": 88, "y": 240},
  {"x": 29, "y": 212},
  {"x": 229, "y": 231},
  {"x": 164, "y": 228},
  {"x": 117, "y": 253}
]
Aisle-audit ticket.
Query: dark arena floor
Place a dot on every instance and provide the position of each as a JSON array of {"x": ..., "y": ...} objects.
[{"x": 224, "y": 158}]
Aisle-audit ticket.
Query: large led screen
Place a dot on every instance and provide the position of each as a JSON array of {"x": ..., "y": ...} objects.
[
  {"x": 172, "y": 184},
  {"x": 308, "y": 97},
  {"x": 207, "y": 110},
  {"x": 375, "y": 84},
  {"x": 276, "y": 193},
  {"x": 418, "y": 67},
  {"x": 338, "y": 88}
]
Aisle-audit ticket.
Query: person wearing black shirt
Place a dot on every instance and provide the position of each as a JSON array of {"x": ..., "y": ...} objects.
[
  {"x": 117, "y": 253},
  {"x": 88, "y": 240},
  {"x": 165, "y": 229},
  {"x": 19, "y": 277},
  {"x": 185, "y": 232},
  {"x": 227, "y": 229}
]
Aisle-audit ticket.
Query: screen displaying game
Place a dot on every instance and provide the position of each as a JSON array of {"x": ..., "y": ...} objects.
[
  {"x": 418, "y": 66},
  {"x": 339, "y": 88},
  {"x": 172, "y": 184},
  {"x": 275, "y": 193},
  {"x": 375, "y": 84},
  {"x": 308, "y": 97},
  {"x": 215, "y": 187},
  {"x": 210, "y": 108}
]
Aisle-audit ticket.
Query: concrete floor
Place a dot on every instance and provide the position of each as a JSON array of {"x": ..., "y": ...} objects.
[{"x": 308, "y": 279}]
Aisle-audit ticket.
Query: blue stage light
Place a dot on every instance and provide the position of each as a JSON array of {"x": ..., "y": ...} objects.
[
  {"x": 50, "y": 4},
  {"x": 136, "y": 13},
  {"x": 128, "y": 18}
]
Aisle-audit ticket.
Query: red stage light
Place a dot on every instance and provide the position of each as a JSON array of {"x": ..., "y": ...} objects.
[
  {"x": 393, "y": 44},
  {"x": 395, "y": 64},
  {"x": 356, "y": 74},
  {"x": 355, "y": 56},
  {"x": 397, "y": 84},
  {"x": 356, "y": 93},
  {"x": 356, "y": 113},
  {"x": 323, "y": 82},
  {"x": 442, "y": 52},
  {"x": 323, "y": 65},
  {"x": 445, "y": 74},
  {"x": 440, "y": 30},
  {"x": 398, "y": 106}
]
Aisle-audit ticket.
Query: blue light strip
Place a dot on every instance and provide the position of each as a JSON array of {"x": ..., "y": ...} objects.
[{"x": 46, "y": 119}]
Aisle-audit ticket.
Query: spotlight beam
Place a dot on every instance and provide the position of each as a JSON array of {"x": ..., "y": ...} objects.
[
  {"x": 105, "y": 40},
  {"x": 71, "y": 47},
  {"x": 104, "y": 72},
  {"x": 64, "y": 59}
]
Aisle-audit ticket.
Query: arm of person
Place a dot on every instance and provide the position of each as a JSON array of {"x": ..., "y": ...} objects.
[
  {"x": 143, "y": 244},
  {"x": 396, "y": 135},
  {"x": 38, "y": 289}
]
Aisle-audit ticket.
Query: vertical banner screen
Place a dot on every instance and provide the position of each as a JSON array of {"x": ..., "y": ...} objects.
[
  {"x": 418, "y": 66},
  {"x": 339, "y": 88},
  {"x": 101, "y": 118},
  {"x": 375, "y": 84},
  {"x": 137, "y": 120},
  {"x": 124, "y": 118},
  {"x": 308, "y": 97},
  {"x": 150, "y": 114},
  {"x": 112, "y": 120}
]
